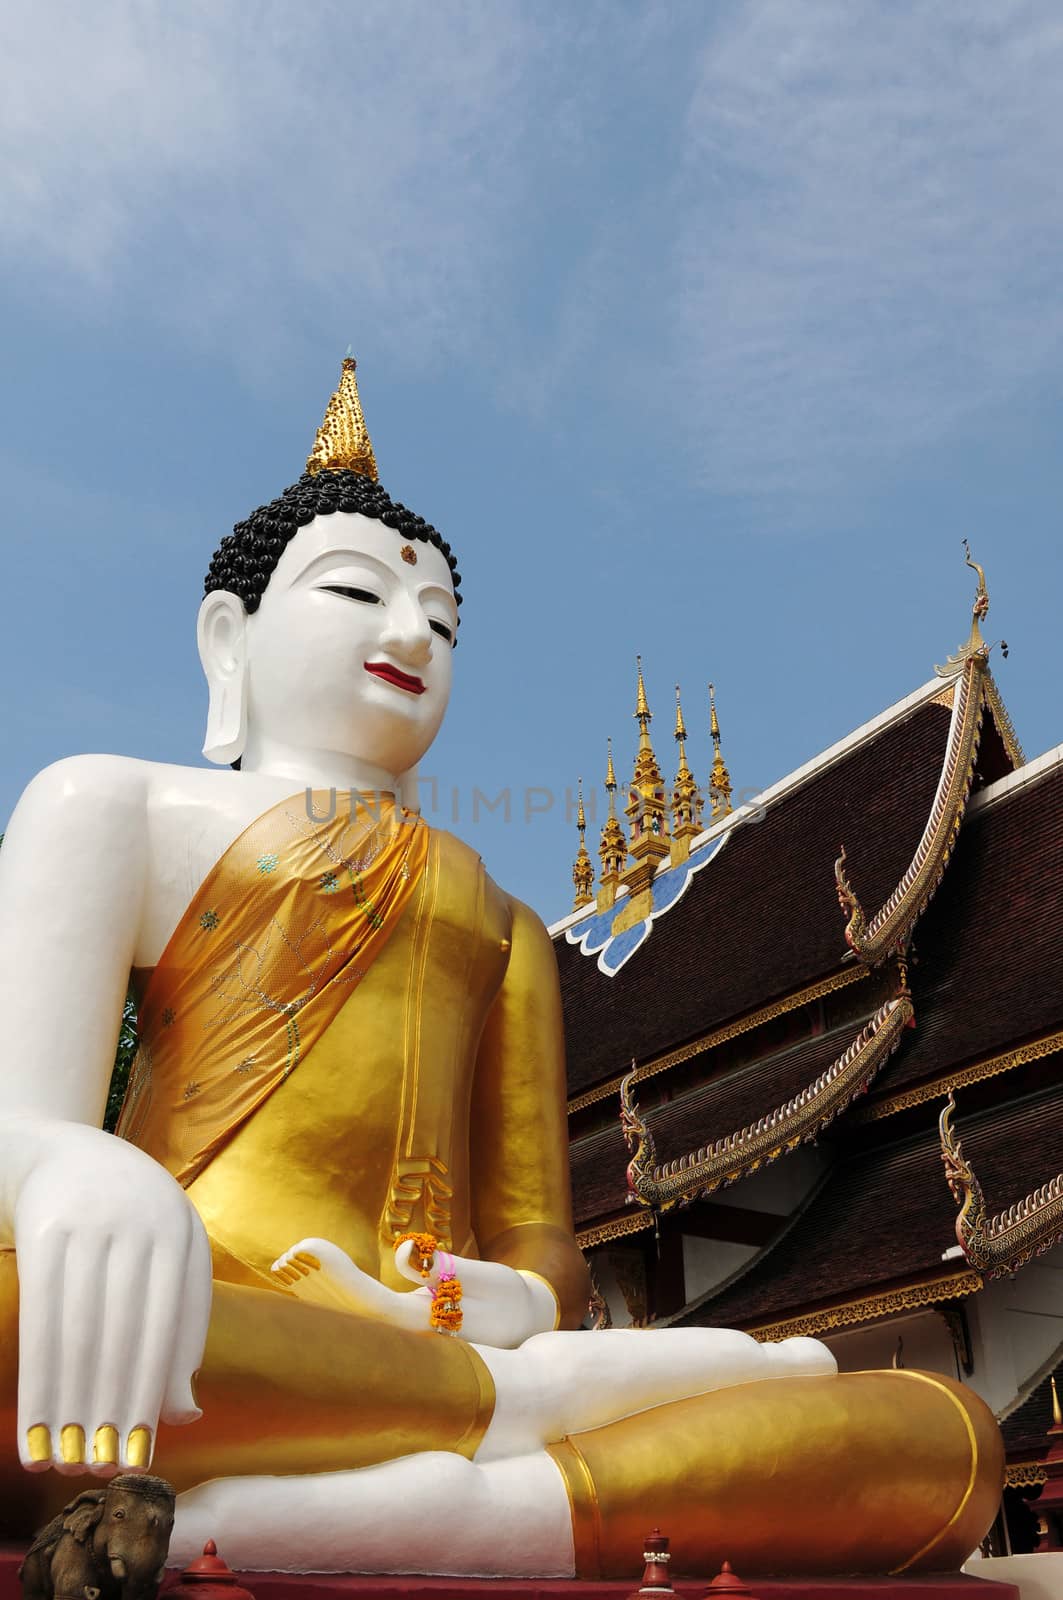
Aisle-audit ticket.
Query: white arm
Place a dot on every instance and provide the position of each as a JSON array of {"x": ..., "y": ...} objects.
[{"x": 113, "y": 1263}]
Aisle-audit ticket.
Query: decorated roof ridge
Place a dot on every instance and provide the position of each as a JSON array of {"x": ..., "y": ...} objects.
[
  {"x": 785, "y": 786},
  {"x": 582, "y": 871},
  {"x": 1006, "y": 1240},
  {"x": 943, "y": 1083},
  {"x": 744, "y": 1023},
  {"x": 890, "y": 929},
  {"x": 855, "y": 1310},
  {"x": 795, "y": 1122}
]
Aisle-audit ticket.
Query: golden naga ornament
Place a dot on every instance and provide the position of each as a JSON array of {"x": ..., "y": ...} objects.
[{"x": 343, "y": 443}]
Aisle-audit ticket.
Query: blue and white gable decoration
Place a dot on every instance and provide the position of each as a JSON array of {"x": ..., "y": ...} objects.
[{"x": 594, "y": 934}]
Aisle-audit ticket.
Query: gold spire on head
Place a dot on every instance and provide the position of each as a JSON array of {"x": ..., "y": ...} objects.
[
  {"x": 343, "y": 442},
  {"x": 720, "y": 782},
  {"x": 582, "y": 871}
]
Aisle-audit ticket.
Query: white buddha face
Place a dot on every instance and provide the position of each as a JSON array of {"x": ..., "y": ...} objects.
[{"x": 350, "y": 649}]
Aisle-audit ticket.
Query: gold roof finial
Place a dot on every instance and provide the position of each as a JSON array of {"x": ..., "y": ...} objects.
[
  {"x": 720, "y": 782},
  {"x": 680, "y": 726},
  {"x": 686, "y": 801},
  {"x": 1057, "y": 1410},
  {"x": 642, "y": 705},
  {"x": 612, "y": 849},
  {"x": 976, "y": 645},
  {"x": 981, "y": 603},
  {"x": 343, "y": 442},
  {"x": 582, "y": 871}
]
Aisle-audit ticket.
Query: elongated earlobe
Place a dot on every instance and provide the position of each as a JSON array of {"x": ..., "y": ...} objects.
[{"x": 220, "y": 634}]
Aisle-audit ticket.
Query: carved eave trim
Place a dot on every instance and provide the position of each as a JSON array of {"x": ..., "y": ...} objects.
[
  {"x": 869, "y": 1308},
  {"x": 1025, "y": 1475},
  {"x": 890, "y": 929},
  {"x": 1005, "y": 726},
  {"x": 730, "y": 1030},
  {"x": 618, "y": 1228},
  {"x": 1006, "y": 1240},
  {"x": 782, "y": 1130},
  {"x": 977, "y": 1072}
]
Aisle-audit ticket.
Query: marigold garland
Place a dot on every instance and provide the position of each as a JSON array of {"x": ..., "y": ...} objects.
[
  {"x": 425, "y": 1246},
  {"x": 445, "y": 1314}
]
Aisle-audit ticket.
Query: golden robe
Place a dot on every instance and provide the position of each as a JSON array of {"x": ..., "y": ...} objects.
[{"x": 427, "y": 1092}]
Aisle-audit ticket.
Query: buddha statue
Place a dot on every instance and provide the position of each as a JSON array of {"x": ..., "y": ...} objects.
[{"x": 350, "y": 1035}]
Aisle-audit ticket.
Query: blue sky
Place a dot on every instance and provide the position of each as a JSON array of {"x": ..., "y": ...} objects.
[{"x": 704, "y": 330}]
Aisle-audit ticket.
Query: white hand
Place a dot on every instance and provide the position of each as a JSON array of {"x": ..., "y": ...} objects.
[
  {"x": 114, "y": 1295},
  {"x": 499, "y": 1306}
]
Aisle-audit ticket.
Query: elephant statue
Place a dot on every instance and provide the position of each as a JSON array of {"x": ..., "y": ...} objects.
[{"x": 108, "y": 1544}]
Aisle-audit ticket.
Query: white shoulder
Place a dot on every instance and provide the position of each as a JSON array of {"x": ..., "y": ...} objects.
[{"x": 97, "y": 790}]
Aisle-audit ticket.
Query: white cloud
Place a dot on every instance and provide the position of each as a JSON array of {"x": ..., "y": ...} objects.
[
  {"x": 269, "y": 165},
  {"x": 869, "y": 229}
]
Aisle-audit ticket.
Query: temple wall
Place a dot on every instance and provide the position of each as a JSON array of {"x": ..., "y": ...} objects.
[
  {"x": 1016, "y": 1326},
  {"x": 927, "y": 1344}
]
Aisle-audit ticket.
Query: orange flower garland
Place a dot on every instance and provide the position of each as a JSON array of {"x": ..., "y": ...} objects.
[{"x": 446, "y": 1315}]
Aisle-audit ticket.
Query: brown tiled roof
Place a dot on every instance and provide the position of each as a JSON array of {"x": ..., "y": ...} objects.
[
  {"x": 599, "y": 1161},
  {"x": 990, "y": 947},
  {"x": 762, "y": 918},
  {"x": 1024, "y": 1431},
  {"x": 885, "y": 1216}
]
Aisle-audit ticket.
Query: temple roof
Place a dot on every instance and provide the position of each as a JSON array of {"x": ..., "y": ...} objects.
[
  {"x": 989, "y": 973},
  {"x": 882, "y": 1221},
  {"x": 598, "y": 1161},
  {"x": 762, "y": 919}
]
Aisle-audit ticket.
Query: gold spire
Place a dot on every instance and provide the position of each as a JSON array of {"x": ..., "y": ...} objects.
[
  {"x": 343, "y": 441},
  {"x": 582, "y": 871},
  {"x": 1057, "y": 1410},
  {"x": 646, "y": 810},
  {"x": 686, "y": 801},
  {"x": 612, "y": 849},
  {"x": 720, "y": 782}
]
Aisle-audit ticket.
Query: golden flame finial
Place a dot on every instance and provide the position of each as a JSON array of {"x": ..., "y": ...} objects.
[
  {"x": 343, "y": 442},
  {"x": 1057, "y": 1410}
]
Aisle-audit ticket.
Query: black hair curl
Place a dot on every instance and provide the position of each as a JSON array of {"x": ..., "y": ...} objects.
[{"x": 244, "y": 561}]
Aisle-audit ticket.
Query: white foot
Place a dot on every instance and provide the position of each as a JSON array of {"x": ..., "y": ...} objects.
[{"x": 429, "y": 1513}]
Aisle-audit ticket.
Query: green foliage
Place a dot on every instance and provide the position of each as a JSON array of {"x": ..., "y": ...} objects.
[{"x": 123, "y": 1061}]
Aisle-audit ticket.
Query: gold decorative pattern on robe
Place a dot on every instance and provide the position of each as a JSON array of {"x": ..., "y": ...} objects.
[{"x": 279, "y": 934}]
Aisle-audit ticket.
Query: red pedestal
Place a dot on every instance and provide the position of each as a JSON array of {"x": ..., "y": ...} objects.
[{"x": 281, "y": 1586}]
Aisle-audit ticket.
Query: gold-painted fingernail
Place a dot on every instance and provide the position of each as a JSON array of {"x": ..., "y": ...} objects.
[
  {"x": 138, "y": 1447},
  {"x": 39, "y": 1443},
  {"x": 105, "y": 1446},
  {"x": 307, "y": 1260},
  {"x": 72, "y": 1444}
]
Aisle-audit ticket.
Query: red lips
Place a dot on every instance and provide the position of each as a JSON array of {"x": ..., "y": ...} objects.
[{"x": 390, "y": 674}]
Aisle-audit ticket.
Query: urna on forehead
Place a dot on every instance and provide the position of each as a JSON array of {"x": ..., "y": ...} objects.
[{"x": 340, "y": 475}]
